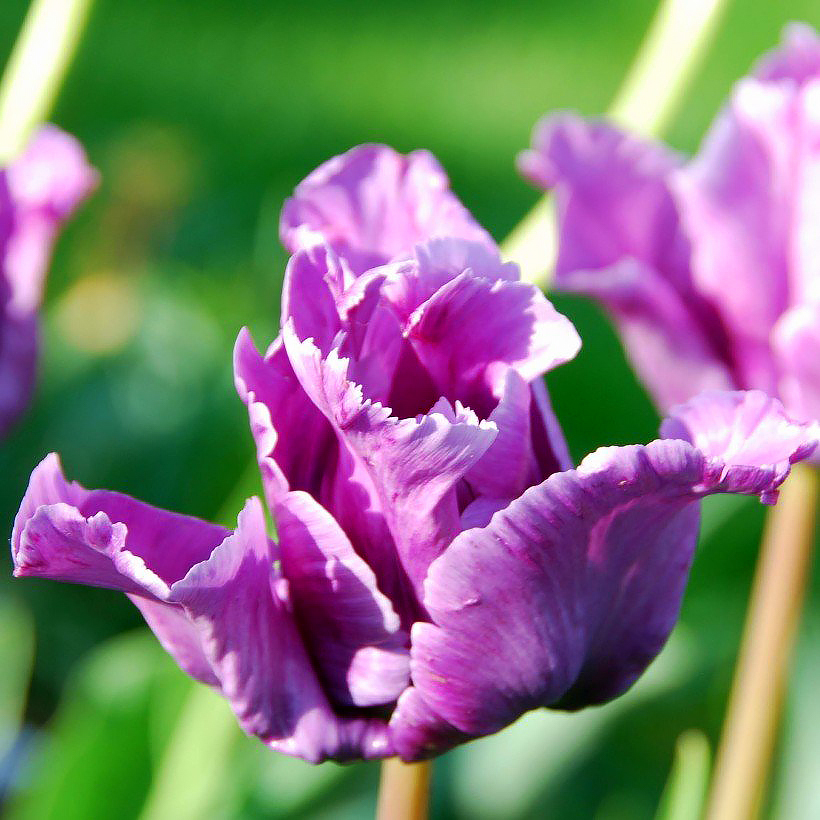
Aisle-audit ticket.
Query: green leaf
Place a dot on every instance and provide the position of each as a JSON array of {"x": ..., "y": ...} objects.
[{"x": 684, "y": 796}]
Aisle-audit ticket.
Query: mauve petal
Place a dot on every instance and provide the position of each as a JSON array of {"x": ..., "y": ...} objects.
[
  {"x": 796, "y": 343},
  {"x": 178, "y": 637},
  {"x": 414, "y": 464},
  {"x": 797, "y": 58},
  {"x": 621, "y": 243},
  {"x": 46, "y": 184},
  {"x": 352, "y": 630},
  {"x": 613, "y": 196},
  {"x": 18, "y": 366},
  {"x": 417, "y": 732},
  {"x": 65, "y": 532},
  {"x": 573, "y": 588},
  {"x": 295, "y": 445},
  {"x": 411, "y": 282},
  {"x": 472, "y": 329},
  {"x": 746, "y": 438},
  {"x": 372, "y": 204},
  {"x": 509, "y": 466},
  {"x": 737, "y": 201},
  {"x": 662, "y": 338},
  {"x": 241, "y": 607},
  {"x": 314, "y": 281}
]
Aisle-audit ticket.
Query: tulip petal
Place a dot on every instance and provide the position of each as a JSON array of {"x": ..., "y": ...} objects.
[
  {"x": 796, "y": 341},
  {"x": 65, "y": 532},
  {"x": 621, "y": 242},
  {"x": 241, "y": 606},
  {"x": 472, "y": 327},
  {"x": 748, "y": 203},
  {"x": 351, "y": 628},
  {"x": 414, "y": 464},
  {"x": 573, "y": 588},
  {"x": 276, "y": 402},
  {"x": 372, "y": 204}
]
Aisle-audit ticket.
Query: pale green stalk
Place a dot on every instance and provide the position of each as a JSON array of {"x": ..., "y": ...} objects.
[
  {"x": 36, "y": 69},
  {"x": 649, "y": 97}
]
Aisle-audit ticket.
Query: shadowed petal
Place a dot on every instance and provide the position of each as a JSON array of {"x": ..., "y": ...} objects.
[
  {"x": 573, "y": 588},
  {"x": 353, "y": 631},
  {"x": 414, "y": 464},
  {"x": 277, "y": 404},
  {"x": 241, "y": 607}
]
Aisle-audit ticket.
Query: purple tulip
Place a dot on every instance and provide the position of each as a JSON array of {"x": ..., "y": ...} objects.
[
  {"x": 709, "y": 268},
  {"x": 38, "y": 191},
  {"x": 440, "y": 569}
]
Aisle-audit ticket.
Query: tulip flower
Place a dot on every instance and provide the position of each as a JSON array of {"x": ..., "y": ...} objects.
[
  {"x": 38, "y": 192},
  {"x": 708, "y": 267},
  {"x": 439, "y": 567}
]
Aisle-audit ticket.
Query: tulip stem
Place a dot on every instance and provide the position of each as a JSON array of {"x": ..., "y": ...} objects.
[
  {"x": 666, "y": 62},
  {"x": 35, "y": 70},
  {"x": 404, "y": 790},
  {"x": 750, "y": 726}
]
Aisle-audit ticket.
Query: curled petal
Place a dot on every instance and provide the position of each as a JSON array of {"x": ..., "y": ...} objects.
[
  {"x": 351, "y": 627},
  {"x": 241, "y": 607},
  {"x": 414, "y": 464},
  {"x": 572, "y": 589},
  {"x": 747, "y": 439},
  {"x": 474, "y": 326},
  {"x": 373, "y": 204},
  {"x": 65, "y": 532},
  {"x": 796, "y": 342},
  {"x": 277, "y": 404}
]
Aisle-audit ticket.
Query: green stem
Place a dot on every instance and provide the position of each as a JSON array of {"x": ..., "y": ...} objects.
[
  {"x": 36, "y": 69},
  {"x": 650, "y": 95}
]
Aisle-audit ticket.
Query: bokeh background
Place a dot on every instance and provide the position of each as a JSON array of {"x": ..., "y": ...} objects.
[{"x": 202, "y": 116}]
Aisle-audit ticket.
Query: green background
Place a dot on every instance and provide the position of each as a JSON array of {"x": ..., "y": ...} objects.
[{"x": 201, "y": 117}]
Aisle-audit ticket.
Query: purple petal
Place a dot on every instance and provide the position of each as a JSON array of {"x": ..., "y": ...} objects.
[
  {"x": 472, "y": 329},
  {"x": 352, "y": 629},
  {"x": 573, "y": 588},
  {"x": 747, "y": 203},
  {"x": 18, "y": 366},
  {"x": 178, "y": 637},
  {"x": 414, "y": 464},
  {"x": 796, "y": 342},
  {"x": 295, "y": 445},
  {"x": 747, "y": 439},
  {"x": 509, "y": 466},
  {"x": 620, "y": 242},
  {"x": 372, "y": 204},
  {"x": 67, "y": 533},
  {"x": 46, "y": 184},
  {"x": 797, "y": 58},
  {"x": 241, "y": 607}
]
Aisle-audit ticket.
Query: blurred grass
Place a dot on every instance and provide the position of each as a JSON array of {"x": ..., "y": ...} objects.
[{"x": 202, "y": 116}]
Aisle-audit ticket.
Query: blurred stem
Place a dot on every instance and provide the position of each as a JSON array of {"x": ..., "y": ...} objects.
[
  {"x": 404, "y": 790},
  {"x": 750, "y": 726},
  {"x": 650, "y": 95},
  {"x": 36, "y": 68},
  {"x": 685, "y": 791}
]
